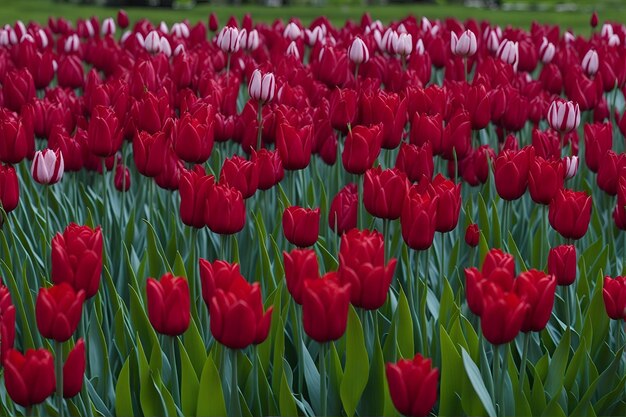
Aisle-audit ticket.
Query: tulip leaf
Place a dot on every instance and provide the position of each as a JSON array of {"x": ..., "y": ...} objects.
[
  {"x": 477, "y": 383},
  {"x": 451, "y": 383},
  {"x": 189, "y": 383},
  {"x": 513, "y": 248},
  {"x": 266, "y": 276},
  {"x": 373, "y": 402},
  {"x": 123, "y": 399},
  {"x": 404, "y": 327},
  {"x": 312, "y": 378},
  {"x": 357, "y": 367},
  {"x": 558, "y": 363},
  {"x": 194, "y": 347},
  {"x": 287, "y": 404},
  {"x": 152, "y": 403},
  {"x": 210, "y": 395}
]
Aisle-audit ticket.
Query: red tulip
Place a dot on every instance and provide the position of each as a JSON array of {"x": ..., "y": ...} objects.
[
  {"x": 562, "y": 264},
  {"x": 270, "y": 168},
  {"x": 325, "y": 304},
  {"x": 7, "y": 322},
  {"x": 362, "y": 265},
  {"x": 77, "y": 258},
  {"x": 105, "y": 133},
  {"x": 611, "y": 165},
  {"x": 241, "y": 174},
  {"x": 343, "y": 108},
  {"x": 472, "y": 235},
  {"x": 122, "y": 19},
  {"x": 361, "y": 148},
  {"x": 9, "y": 188},
  {"x": 194, "y": 137},
  {"x": 29, "y": 378},
  {"x": 384, "y": 192},
  {"x": 570, "y": 212},
  {"x": 416, "y": 161},
  {"x": 427, "y": 128},
  {"x": 448, "y": 202},
  {"x": 149, "y": 152},
  {"x": 342, "y": 215},
  {"x": 387, "y": 109},
  {"x": 614, "y": 294},
  {"x": 225, "y": 211},
  {"x": 122, "y": 178},
  {"x": 457, "y": 137},
  {"x": 70, "y": 73},
  {"x": 300, "y": 265},
  {"x": 193, "y": 189},
  {"x": 18, "y": 89},
  {"x": 545, "y": 178},
  {"x": 496, "y": 260},
  {"x": 219, "y": 275},
  {"x": 413, "y": 385},
  {"x": 168, "y": 304},
  {"x": 58, "y": 311},
  {"x": 538, "y": 290},
  {"x": 74, "y": 370},
  {"x": 294, "y": 145},
  {"x": 503, "y": 314},
  {"x": 16, "y": 137},
  {"x": 598, "y": 140},
  {"x": 301, "y": 225},
  {"x": 237, "y": 318},
  {"x": 419, "y": 219},
  {"x": 511, "y": 173},
  {"x": 151, "y": 111}
]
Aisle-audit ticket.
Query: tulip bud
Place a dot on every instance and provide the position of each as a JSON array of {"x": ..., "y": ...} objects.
[
  {"x": 169, "y": 308},
  {"x": 165, "y": 47},
  {"x": 358, "y": 51},
  {"x": 29, "y": 379},
  {"x": 249, "y": 40},
  {"x": 593, "y": 21},
  {"x": 262, "y": 86},
  {"x": 571, "y": 166},
  {"x": 472, "y": 235},
  {"x": 9, "y": 188},
  {"x": 122, "y": 19},
  {"x": 342, "y": 215},
  {"x": 546, "y": 51},
  {"x": 108, "y": 27},
  {"x": 180, "y": 30},
  {"x": 614, "y": 40},
  {"x": 509, "y": 53},
  {"x": 404, "y": 44},
  {"x": 563, "y": 116},
  {"x": 406, "y": 374},
  {"x": 292, "y": 50},
  {"x": 292, "y": 31},
  {"x": 74, "y": 370},
  {"x": 493, "y": 42},
  {"x": 228, "y": 40},
  {"x": 614, "y": 295},
  {"x": 465, "y": 45},
  {"x": 590, "y": 62},
  {"x": 47, "y": 167},
  {"x": 562, "y": 264},
  {"x": 58, "y": 311},
  {"x": 152, "y": 42},
  {"x": 122, "y": 178}
]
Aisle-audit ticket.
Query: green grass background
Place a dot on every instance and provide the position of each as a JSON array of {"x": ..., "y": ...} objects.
[{"x": 39, "y": 10}]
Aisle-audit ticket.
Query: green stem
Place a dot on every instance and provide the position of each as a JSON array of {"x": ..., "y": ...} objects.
[
  {"x": 568, "y": 313},
  {"x": 359, "y": 182},
  {"x": 58, "y": 368},
  {"x": 235, "y": 407},
  {"x": 174, "y": 371},
  {"x": 259, "y": 119},
  {"x": 323, "y": 388},
  {"x": 28, "y": 411},
  {"x": 257, "y": 395},
  {"x": 522, "y": 373},
  {"x": 496, "y": 377},
  {"x": 104, "y": 196},
  {"x": 386, "y": 237},
  {"x": 442, "y": 272},
  {"x": 48, "y": 242},
  {"x": 356, "y": 75}
]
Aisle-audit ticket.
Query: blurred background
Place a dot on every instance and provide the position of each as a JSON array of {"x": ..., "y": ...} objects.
[{"x": 572, "y": 14}]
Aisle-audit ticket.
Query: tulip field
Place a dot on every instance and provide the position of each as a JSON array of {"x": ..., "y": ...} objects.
[{"x": 239, "y": 218}]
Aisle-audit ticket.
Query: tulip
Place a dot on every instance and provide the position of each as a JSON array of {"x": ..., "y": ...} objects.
[
  {"x": 29, "y": 378},
  {"x": 342, "y": 214},
  {"x": 74, "y": 370},
  {"x": 152, "y": 42},
  {"x": 149, "y": 153},
  {"x": 511, "y": 173},
  {"x": 571, "y": 166},
  {"x": 614, "y": 294},
  {"x": 300, "y": 266},
  {"x": 238, "y": 319},
  {"x": 7, "y": 322},
  {"x": 563, "y": 116},
  {"x": 361, "y": 148},
  {"x": 503, "y": 315},
  {"x": 9, "y": 188},
  {"x": 58, "y": 311},
  {"x": 122, "y": 19},
  {"x": 590, "y": 62},
  {"x": 362, "y": 266},
  {"x": 404, "y": 45},
  {"x": 301, "y": 225},
  {"x": 358, "y": 51},
  {"x": 195, "y": 137},
  {"x": 270, "y": 168},
  {"x": 262, "y": 86},
  {"x": 122, "y": 178},
  {"x": 545, "y": 178},
  {"x": 384, "y": 192},
  {"x": 426, "y": 128},
  {"x": 16, "y": 137},
  {"x": 343, "y": 108},
  {"x": 249, "y": 40},
  {"x": 416, "y": 161},
  {"x": 325, "y": 304},
  {"x": 104, "y": 132},
  {"x": 18, "y": 89},
  {"x": 70, "y": 73},
  {"x": 220, "y": 275},
  {"x": 610, "y": 167},
  {"x": 193, "y": 190},
  {"x": 570, "y": 212},
  {"x": 418, "y": 219},
  {"x": 228, "y": 40},
  {"x": 472, "y": 235},
  {"x": 413, "y": 385},
  {"x": 546, "y": 51},
  {"x": 496, "y": 260},
  {"x": 598, "y": 140},
  {"x": 593, "y": 21},
  {"x": 168, "y": 304},
  {"x": 225, "y": 211},
  {"x": 213, "y": 22},
  {"x": 294, "y": 145},
  {"x": 464, "y": 45},
  {"x": 47, "y": 167},
  {"x": 77, "y": 258},
  {"x": 448, "y": 202},
  {"x": 538, "y": 290},
  {"x": 241, "y": 174},
  {"x": 562, "y": 264},
  {"x": 390, "y": 111},
  {"x": 508, "y": 51}
]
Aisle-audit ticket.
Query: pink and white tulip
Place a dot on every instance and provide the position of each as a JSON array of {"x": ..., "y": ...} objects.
[
  {"x": 47, "y": 167},
  {"x": 563, "y": 116},
  {"x": 262, "y": 86},
  {"x": 464, "y": 45}
]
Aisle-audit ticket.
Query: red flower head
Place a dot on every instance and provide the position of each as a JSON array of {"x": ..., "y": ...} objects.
[
  {"x": 301, "y": 226},
  {"x": 225, "y": 211},
  {"x": 511, "y": 173},
  {"x": 168, "y": 304},
  {"x": 570, "y": 212},
  {"x": 29, "y": 378},
  {"x": 325, "y": 304},
  {"x": 74, "y": 370},
  {"x": 413, "y": 386},
  {"x": 58, "y": 311},
  {"x": 545, "y": 178},
  {"x": 361, "y": 148},
  {"x": 562, "y": 264},
  {"x": 419, "y": 219},
  {"x": 300, "y": 265},
  {"x": 614, "y": 294},
  {"x": 538, "y": 290},
  {"x": 384, "y": 192},
  {"x": 342, "y": 215}
]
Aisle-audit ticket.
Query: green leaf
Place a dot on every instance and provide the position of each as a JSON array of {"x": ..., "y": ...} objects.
[
  {"x": 405, "y": 338},
  {"x": 287, "y": 403},
  {"x": 451, "y": 384},
  {"x": 123, "y": 399},
  {"x": 558, "y": 363},
  {"x": 477, "y": 382},
  {"x": 189, "y": 384},
  {"x": 357, "y": 367},
  {"x": 373, "y": 403},
  {"x": 152, "y": 403},
  {"x": 194, "y": 346},
  {"x": 210, "y": 394}
]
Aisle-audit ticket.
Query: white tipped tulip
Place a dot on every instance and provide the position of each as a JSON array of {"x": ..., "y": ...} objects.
[
  {"x": 426, "y": 25},
  {"x": 546, "y": 51},
  {"x": 43, "y": 38},
  {"x": 262, "y": 86},
  {"x": 404, "y": 44},
  {"x": 419, "y": 47},
  {"x": 180, "y": 30},
  {"x": 590, "y": 62},
  {"x": 292, "y": 31},
  {"x": 249, "y": 41},
  {"x": 509, "y": 53},
  {"x": 90, "y": 30},
  {"x": 292, "y": 50},
  {"x": 614, "y": 40},
  {"x": 165, "y": 46},
  {"x": 47, "y": 167},
  {"x": 569, "y": 37},
  {"x": 180, "y": 49},
  {"x": 390, "y": 38},
  {"x": 563, "y": 116},
  {"x": 607, "y": 30},
  {"x": 358, "y": 51},
  {"x": 108, "y": 27},
  {"x": 570, "y": 164},
  {"x": 314, "y": 35},
  {"x": 465, "y": 45},
  {"x": 163, "y": 27},
  {"x": 4, "y": 37},
  {"x": 493, "y": 41},
  {"x": 72, "y": 43},
  {"x": 228, "y": 39},
  {"x": 152, "y": 43}
]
